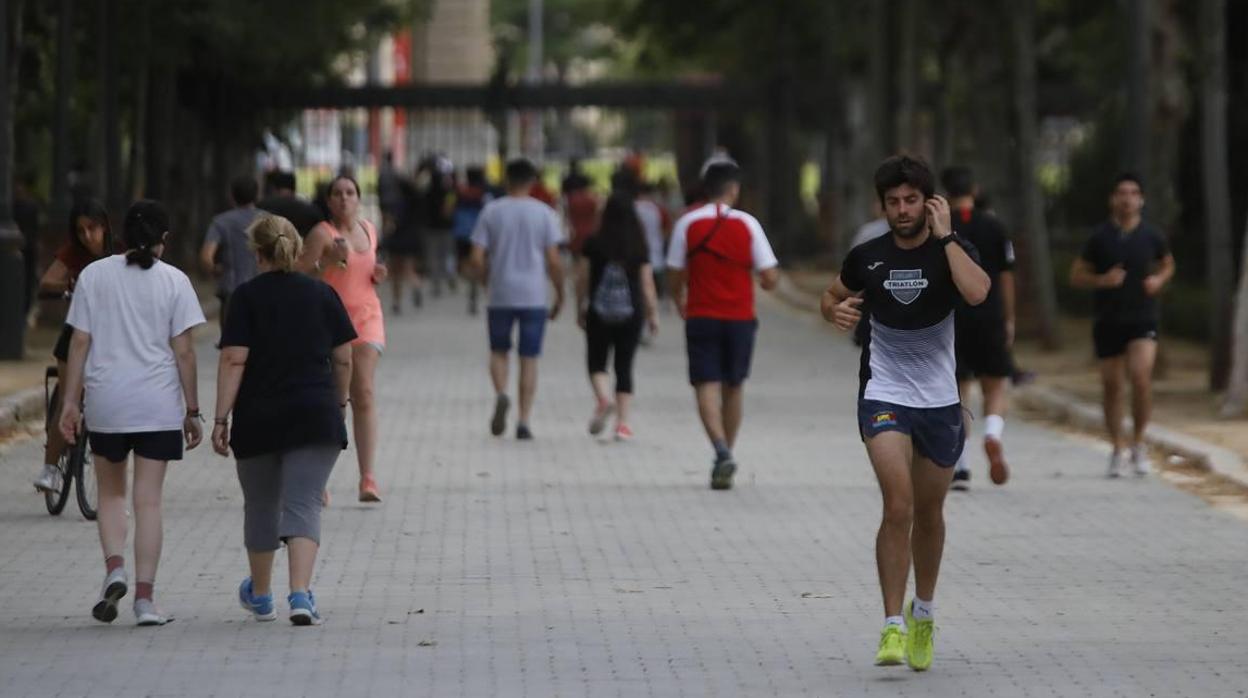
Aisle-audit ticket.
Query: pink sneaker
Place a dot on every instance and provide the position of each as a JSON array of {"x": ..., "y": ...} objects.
[{"x": 623, "y": 433}]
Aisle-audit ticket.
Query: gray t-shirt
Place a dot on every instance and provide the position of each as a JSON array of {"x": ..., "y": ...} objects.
[
  {"x": 229, "y": 231},
  {"x": 515, "y": 232}
]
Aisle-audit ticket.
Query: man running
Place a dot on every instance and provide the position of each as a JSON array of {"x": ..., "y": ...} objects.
[
  {"x": 714, "y": 253},
  {"x": 520, "y": 236},
  {"x": 1126, "y": 263},
  {"x": 227, "y": 236},
  {"x": 984, "y": 333},
  {"x": 909, "y": 415}
]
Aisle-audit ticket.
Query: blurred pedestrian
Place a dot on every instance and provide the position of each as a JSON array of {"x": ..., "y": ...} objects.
[
  {"x": 580, "y": 208},
  {"x": 90, "y": 238},
  {"x": 281, "y": 199},
  {"x": 1126, "y": 263},
  {"x": 714, "y": 254},
  {"x": 284, "y": 375},
  {"x": 224, "y": 253},
  {"x": 133, "y": 351},
  {"x": 439, "y": 203},
  {"x": 404, "y": 244},
  {"x": 985, "y": 332},
  {"x": 470, "y": 200},
  {"x": 343, "y": 251},
  {"x": 615, "y": 297},
  {"x": 516, "y": 248}
]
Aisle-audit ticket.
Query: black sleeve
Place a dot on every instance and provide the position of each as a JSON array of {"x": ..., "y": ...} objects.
[
  {"x": 1089, "y": 252},
  {"x": 851, "y": 271},
  {"x": 970, "y": 249},
  {"x": 1161, "y": 246},
  {"x": 1005, "y": 248},
  {"x": 238, "y": 325},
  {"x": 341, "y": 330}
]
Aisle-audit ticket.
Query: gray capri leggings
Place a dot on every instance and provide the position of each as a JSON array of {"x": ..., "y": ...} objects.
[{"x": 282, "y": 494}]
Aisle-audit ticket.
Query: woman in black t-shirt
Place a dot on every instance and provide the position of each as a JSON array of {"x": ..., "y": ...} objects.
[
  {"x": 615, "y": 295},
  {"x": 285, "y": 372}
]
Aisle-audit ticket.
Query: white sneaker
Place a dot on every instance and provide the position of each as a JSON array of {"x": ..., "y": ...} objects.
[
  {"x": 145, "y": 613},
  {"x": 1115, "y": 464},
  {"x": 105, "y": 610},
  {"x": 49, "y": 480},
  {"x": 1140, "y": 465}
]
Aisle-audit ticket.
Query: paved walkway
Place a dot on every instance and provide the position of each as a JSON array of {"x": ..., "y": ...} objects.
[{"x": 569, "y": 567}]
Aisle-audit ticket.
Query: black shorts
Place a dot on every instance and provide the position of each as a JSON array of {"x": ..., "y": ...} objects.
[
  {"x": 153, "y": 445},
  {"x": 1111, "y": 338},
  {"x": 720, "y": 351},
  {"x": 981, "y": 351},
  {"x": 937, "y": 433},
  {"x": 61, "y": 351}
]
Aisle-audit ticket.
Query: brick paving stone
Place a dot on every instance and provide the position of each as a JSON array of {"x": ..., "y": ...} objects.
[{"x": 573, "y": 567}]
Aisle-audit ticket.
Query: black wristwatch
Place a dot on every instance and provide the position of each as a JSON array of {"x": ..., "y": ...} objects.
[{"x": 944, "y": 242}]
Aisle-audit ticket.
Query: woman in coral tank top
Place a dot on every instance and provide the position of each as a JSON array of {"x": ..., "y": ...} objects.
[{"x": 343, "y": 252}]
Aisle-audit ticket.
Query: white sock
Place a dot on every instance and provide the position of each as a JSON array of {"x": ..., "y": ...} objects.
[
  {"x": 994, "y": 426},
  {"x": 921, "y": 610},
  {"x": 899, "y": 621},
  {"x": 962, "y": 465}
]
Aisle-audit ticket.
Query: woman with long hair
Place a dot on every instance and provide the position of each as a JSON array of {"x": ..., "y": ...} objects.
[
  {"x": 284, "y": 375},
  {"x": 343, "y": 252},
  {"x": 132, "y": 349},
  {"x": 90, "y": 238},
  {"x": 616, "y": 296}
]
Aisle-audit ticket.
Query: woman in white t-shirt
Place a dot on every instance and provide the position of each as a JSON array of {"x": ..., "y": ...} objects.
[{"x": 132, "y": 351}]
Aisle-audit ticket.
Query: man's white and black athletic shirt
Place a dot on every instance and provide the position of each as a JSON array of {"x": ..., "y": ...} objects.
[{"x": 909, "y": 300}]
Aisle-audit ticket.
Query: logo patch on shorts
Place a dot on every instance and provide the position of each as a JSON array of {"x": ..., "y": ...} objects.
[
  {"x": 905, "y": 284},
  {"x": 883, "y": 419}
]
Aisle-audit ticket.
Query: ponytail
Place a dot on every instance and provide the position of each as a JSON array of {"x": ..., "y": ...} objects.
[
  {"x": 145, "y": 227},
  {"x": 275, "y": 239}
]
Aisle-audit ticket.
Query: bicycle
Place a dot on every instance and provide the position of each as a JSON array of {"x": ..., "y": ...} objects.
[{"x": 75, "y": 465}]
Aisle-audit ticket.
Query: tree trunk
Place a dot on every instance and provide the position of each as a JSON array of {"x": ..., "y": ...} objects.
[
  {"x": 1023, "y": 20},
  {"x": 1237, "y": 390},
  {"x": 1135, "y": 144},
  {"x": 1216, "y": 179},
  {"x": 905, "y": 75},
  {"x": 60, "y": 117}
]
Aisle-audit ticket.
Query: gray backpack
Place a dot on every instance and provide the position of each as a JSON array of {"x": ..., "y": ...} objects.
[{"x": 613, "y": 299}]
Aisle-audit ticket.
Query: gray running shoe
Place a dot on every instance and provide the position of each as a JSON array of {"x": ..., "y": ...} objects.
[
  {"x": 145, "y": 613},
  {"x": 498, "y": 424},
  {"x": 114, "y": 589},
  {"x": 721, "y": 474}
]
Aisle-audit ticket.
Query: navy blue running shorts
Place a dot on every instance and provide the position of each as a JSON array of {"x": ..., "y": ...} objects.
[
  {"x": 938, "y": 433},
  {"x": 720, "y": 351}
]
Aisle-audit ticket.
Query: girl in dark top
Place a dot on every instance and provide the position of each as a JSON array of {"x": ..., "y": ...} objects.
[
  {"x": 90, "y": 238},
  {"x": 616, "y": 296},
  {"x": 285, "y": 372}
]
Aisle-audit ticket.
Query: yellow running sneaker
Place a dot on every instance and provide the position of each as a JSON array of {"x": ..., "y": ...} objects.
[
  {"x": 892, "y": 647},
  {"x": 919, "y": 636}
]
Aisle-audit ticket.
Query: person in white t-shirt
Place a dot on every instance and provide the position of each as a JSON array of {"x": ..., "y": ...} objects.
[{"x": 133, "y": 353}]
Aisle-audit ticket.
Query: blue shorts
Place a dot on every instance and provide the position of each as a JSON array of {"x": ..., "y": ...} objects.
[
  {"x": 937, "y": 433},
  {"x": 532, "y": 328},
  {"x": 720, "y": 351}
]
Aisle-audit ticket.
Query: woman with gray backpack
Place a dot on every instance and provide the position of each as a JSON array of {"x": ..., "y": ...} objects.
[{"x": 616, "y": 296}]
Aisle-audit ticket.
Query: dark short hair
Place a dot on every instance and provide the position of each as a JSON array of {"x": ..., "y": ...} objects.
[
  {"x": 718, "y": 176},
  {"x": 1127, "y": 177},
  {"x": 957, "y": 181},
  {"x": 244, "y": 190},
  {"x": 520, "y": 172},
  {"x": 475, "y": 175},
  {"x": 903, "y": 169}
]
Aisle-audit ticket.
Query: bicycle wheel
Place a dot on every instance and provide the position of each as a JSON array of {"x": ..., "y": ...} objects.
[
  {"x": 56, "y": 499},
  {"x": 84, "y": 472}
]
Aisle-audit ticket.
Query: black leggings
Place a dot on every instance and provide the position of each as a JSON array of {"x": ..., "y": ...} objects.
[{"x": 602, "y": 337}]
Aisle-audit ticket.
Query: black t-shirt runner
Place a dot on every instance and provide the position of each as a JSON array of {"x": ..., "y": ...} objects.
[
  {"x": 1137, "y": 251},
  {"x": 303, "y": 215},
  {"x": 290, "y": 324},
  {"x": 996, "y": 254},
  {"x": 909, "y": 301}
]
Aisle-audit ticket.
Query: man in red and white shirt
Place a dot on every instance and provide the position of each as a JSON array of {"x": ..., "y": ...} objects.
[{"x": 714, "y": 254}]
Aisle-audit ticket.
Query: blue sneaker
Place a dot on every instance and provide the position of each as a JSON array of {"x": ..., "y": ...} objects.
[
  {"x": 303, "y": 608},
  {"x": 259, "y": 606}
]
